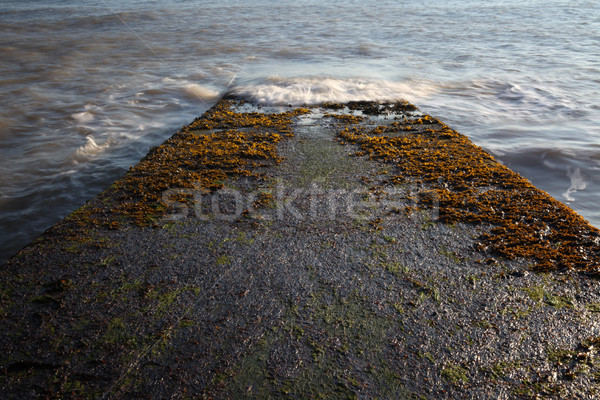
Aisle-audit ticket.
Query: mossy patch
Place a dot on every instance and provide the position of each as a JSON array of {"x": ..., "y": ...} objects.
[
  {"x": 455, "y": 374},
  {"x": 539, "y": 294},
  {"x": 223, "y": 260},
  {"x": 502, "y": 368},
  {"x": 312, "y": 348},
  {"x": 593, "y": 307}
]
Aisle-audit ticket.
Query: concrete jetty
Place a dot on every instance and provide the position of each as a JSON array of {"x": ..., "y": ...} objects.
[{"x": 359, "y": 250}]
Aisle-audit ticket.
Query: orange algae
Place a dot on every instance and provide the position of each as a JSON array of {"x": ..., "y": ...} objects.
[
  {"x": 220, "y": 145},
  {"x": 263, "y": 200},
  {"x": 347, "y": 118},
  {"x": 222, "y": 117},
  {"x": 474, "y": 188}
]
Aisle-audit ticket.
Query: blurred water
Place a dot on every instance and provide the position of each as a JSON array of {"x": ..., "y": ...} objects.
[{"x": 87, "y": 87}]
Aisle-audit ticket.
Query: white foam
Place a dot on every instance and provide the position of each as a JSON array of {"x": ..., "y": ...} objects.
[
  {"x": 314, "y": 90},
  {"x": 200, "y": 92},
  {"x": 89, "y": 150},
  {"x": 83, "y": 117},
  {"x": 577, "y": 183}
]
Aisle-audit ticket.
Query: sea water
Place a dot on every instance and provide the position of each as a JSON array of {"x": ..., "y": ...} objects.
[{"x": 87, "y": 87}]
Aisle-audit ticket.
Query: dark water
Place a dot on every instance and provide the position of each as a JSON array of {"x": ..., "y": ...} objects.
[{"x": 87, "y": 87}]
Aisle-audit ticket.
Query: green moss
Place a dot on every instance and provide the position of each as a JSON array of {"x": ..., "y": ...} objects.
[
  {"x": 390, "y": 239},
  {"x": 107, "y": 261},
  {"x": 450, "y": 255},
  {"x": 535, "y": 389},
  {"x": 424, "y": 291},
  {"x": 535, "y": 293},
  {"x": 166, "y": 300},
  {"x": 335, "y": 328},
  {"x": 428, "y": 356},
  {"x": 251, "y": 373},
  {"x": 395, "y": 268},
  {"x": 137, "y": 285},
  {"x": 75, "y": 388},
  {"x": 482, "y": 323},
  {"x": 472, "y": 279},
  {"x": 186, "y": 323},
  {"x": 398, "y": 307},
  {"x": 502, "y": 368},
  {"x": 593, "y": 307},
  {"x": 119, "y": 333},
  {"x": 455, "y": 374},
  {"x": 558, "y": 355},
  {"x": 539, "y": 294},
  {"x": 162, "y": 344},
  {"x": 297, "y": 332},
  {"x": 170, "y": 227},
  {"x": 557, "y": 301},
  {"x": 223, "y": 260},
  {"x": 517, "y": 312}
]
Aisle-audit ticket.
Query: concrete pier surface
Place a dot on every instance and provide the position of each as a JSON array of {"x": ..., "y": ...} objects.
[{"x": 360, "y": 250}]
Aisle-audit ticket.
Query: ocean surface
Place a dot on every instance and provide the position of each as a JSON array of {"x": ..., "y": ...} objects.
[{"x": 87, "y": 87}]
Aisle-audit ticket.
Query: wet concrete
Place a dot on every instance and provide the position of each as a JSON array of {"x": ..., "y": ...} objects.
[{"x": 320, "y": 275}]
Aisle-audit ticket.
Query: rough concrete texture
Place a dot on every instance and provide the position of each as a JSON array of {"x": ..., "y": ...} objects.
[{"x": 321, "y": 269}]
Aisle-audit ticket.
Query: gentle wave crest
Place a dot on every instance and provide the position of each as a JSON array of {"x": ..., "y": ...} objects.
[
  {"x": 82, "y": 117},
  {"x": 314, "y": 90},
  {"x": 89, "y": 150},
  {"x": 200, "y": 92},
  {"x": 577, "y": 183}
]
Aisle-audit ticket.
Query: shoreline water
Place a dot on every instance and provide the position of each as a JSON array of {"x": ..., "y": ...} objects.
[{"x": 518, "y": 79}]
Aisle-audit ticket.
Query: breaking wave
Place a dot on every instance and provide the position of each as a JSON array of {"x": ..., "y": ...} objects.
[
  {"x": 89, "y": 150},
  {"x": 577, "y": 183},
  {"x": 276, "y": 90},
  {"x": 200, "y": 92}
]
